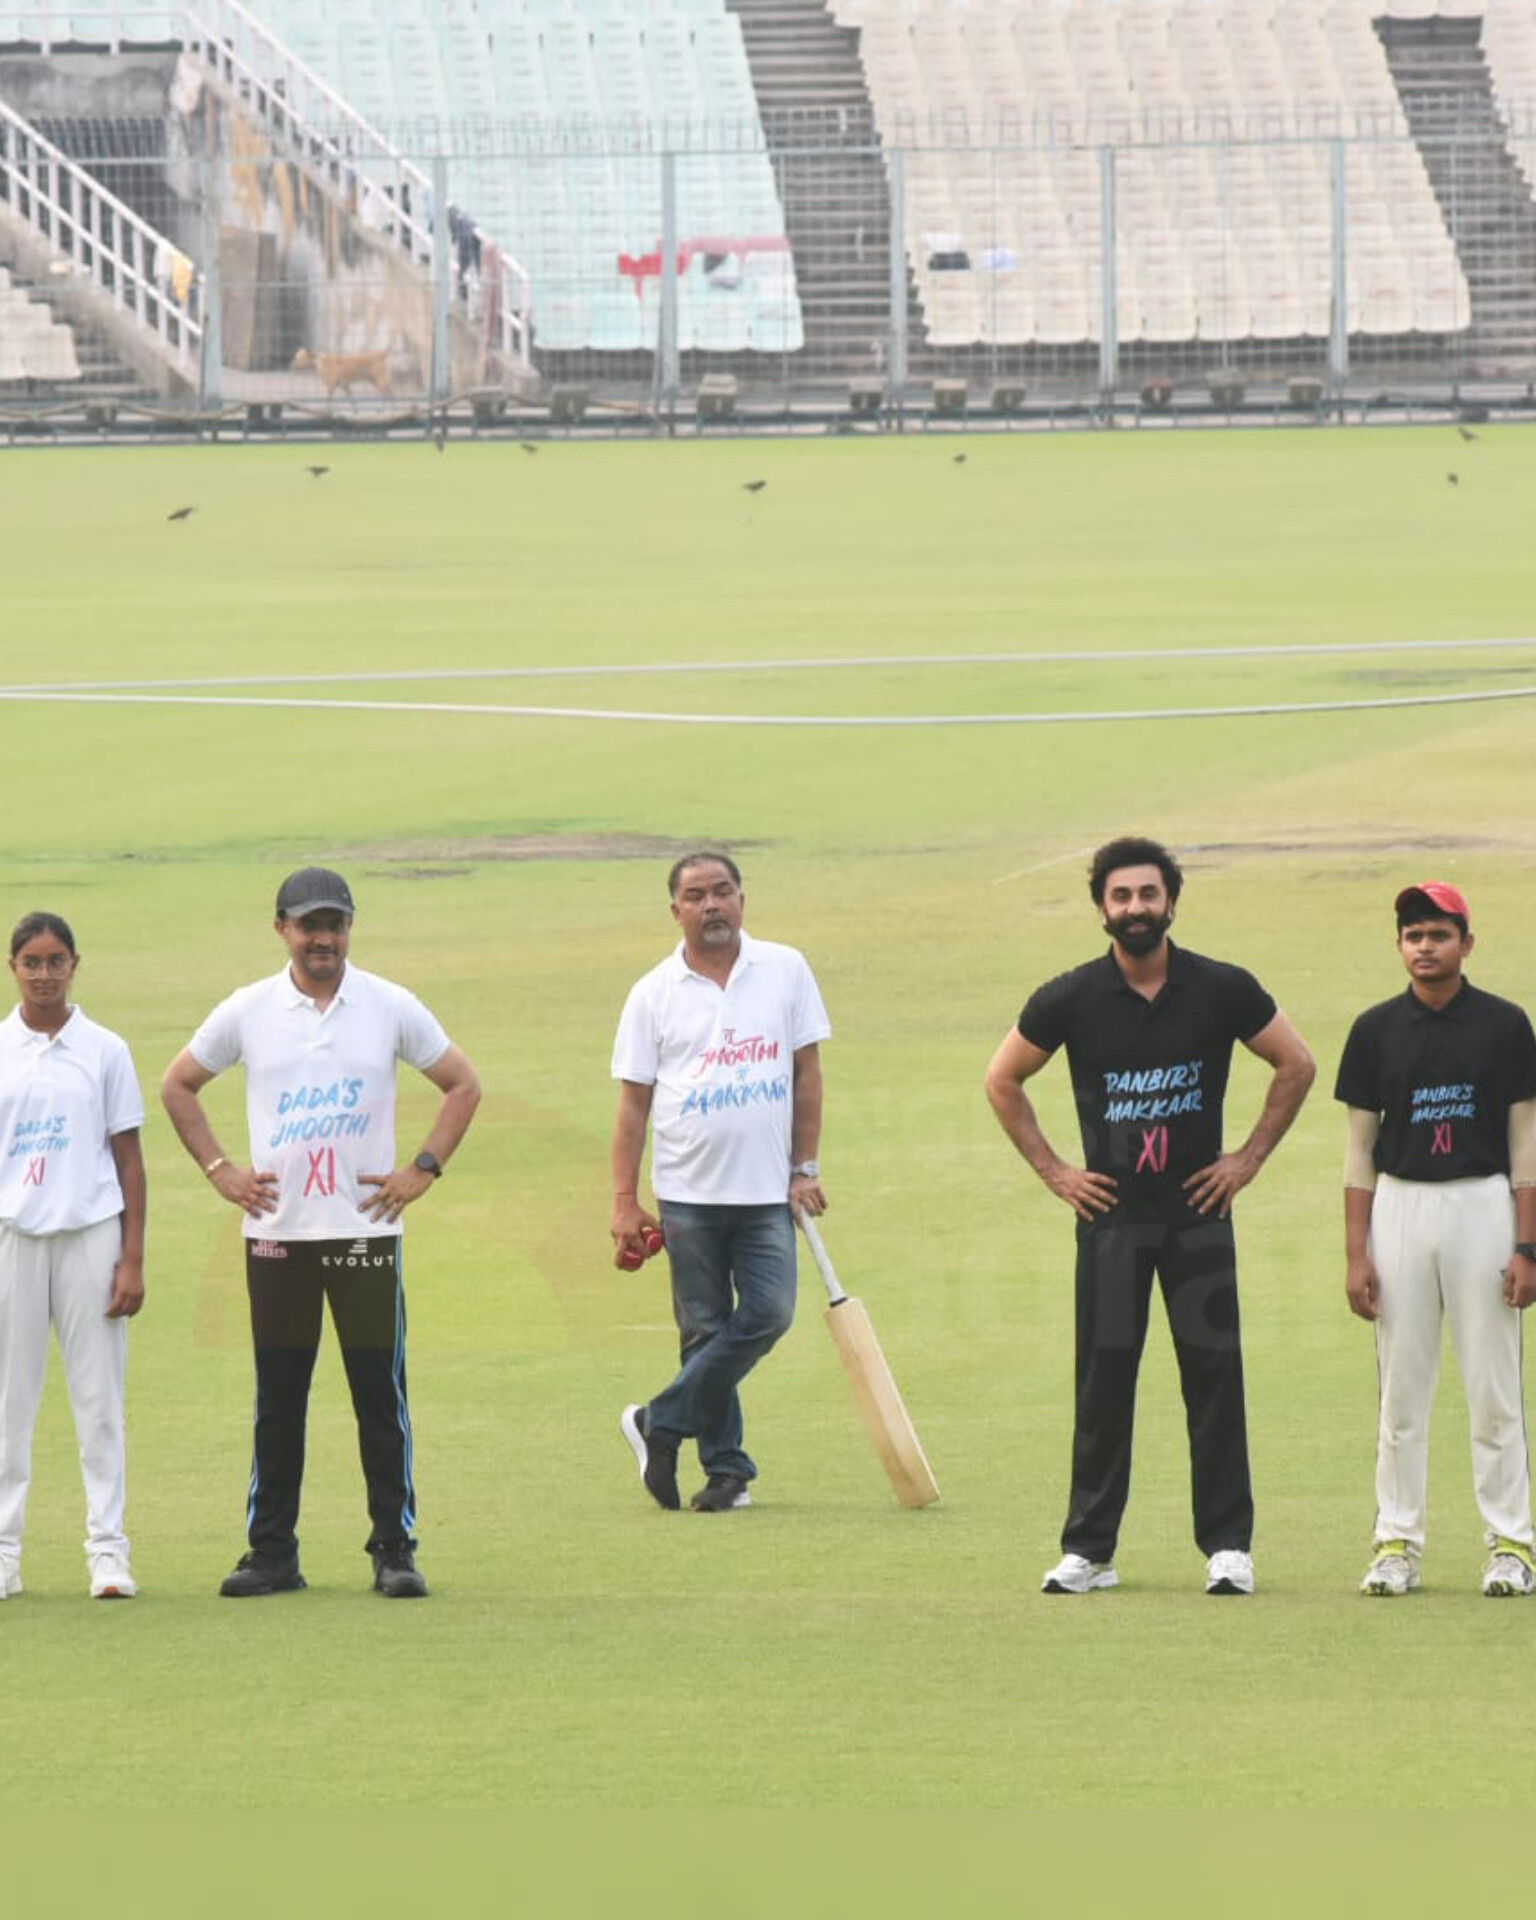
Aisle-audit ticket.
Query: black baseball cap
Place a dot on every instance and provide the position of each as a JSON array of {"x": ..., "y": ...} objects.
[{"x": 313, "y": 890}]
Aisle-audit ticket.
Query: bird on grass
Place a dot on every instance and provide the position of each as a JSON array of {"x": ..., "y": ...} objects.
[
  {"x": 181, "y": 513},
  {"x": 317, "y": 471},
  {"x": 1466, "y": 433},
  {"x": 527, "y": 446},
  {"x": 1453, "y": 479},
  {"x": 959, "y": 459},
  {"x": 753, "y": 486}
]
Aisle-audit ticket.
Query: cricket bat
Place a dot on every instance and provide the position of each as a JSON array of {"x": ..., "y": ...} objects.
[{"x": 890, "y": 1426}]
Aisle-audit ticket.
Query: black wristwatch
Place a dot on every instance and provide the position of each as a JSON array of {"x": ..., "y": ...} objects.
[
  {"x": 1527, "y": 1247},
  {"x": 429, "y": 1163}
]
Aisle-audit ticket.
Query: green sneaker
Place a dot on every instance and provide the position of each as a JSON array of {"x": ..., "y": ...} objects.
[
  {"x": 1510, "y": 1572},
  {"x": 1394, "y": 1570}
]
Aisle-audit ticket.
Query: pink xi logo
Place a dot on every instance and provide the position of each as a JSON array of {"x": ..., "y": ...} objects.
[
  {"x": 322, "y": 1173},
  {"x": 1154, "y": 1150},
  {"x": 1442, "y": 1140}
]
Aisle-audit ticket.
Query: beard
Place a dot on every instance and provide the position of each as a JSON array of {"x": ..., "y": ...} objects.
[{"x": 1139, "y": 933}]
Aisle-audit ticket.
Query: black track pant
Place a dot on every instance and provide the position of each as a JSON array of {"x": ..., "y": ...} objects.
[
  {"x": 288, "y": 1282},
  {"x": 1194, "y": 1260}
]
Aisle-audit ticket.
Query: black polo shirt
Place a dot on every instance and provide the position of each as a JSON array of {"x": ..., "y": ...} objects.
[
  {"x": 1442, "y": 1081},
  {"x": 1148, "y": 1076}
]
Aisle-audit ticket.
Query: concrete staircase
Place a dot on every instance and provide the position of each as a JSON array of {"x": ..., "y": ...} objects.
[
  {"x": 1442, "y": 80},
  {"x": 821, "y": 132},
  {"x": 104, "y": 375}
]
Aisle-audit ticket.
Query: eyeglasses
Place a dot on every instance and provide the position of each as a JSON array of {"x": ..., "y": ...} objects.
[{"x": 54, "y": 963}]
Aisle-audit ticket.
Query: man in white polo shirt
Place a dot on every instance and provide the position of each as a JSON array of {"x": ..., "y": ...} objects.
[
  {"x": 323, "y": 1197},
  {"x": 718, "y": 1052}
]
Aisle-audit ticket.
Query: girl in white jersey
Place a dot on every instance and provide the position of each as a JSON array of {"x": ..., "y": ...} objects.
[{"x": 72, "y": 1204}]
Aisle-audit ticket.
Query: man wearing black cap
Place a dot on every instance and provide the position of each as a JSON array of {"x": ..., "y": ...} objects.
[
  {"x": 323, "y": 1197},
  {"x": 1440, "y": 1218}
]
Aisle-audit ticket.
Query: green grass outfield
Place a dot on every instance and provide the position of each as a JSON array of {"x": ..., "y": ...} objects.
[{"x": 582, "y": 1650}]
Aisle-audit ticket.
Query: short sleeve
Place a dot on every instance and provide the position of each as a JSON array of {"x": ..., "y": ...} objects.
[
  {"x": 1044, "y": 1019},
  {"x": 1357, "y": 1083},
  {"x": 1520, "y": 1060},
  {"x": 1251, "y": 1007},
  {"x": 219, "y": 1042},
  {"x": 122, "y": 1102},
  {"x": 636, "y": 1045},
  {"x": 811, "y": 1024},
  {"x": 420, "y": 1039}
]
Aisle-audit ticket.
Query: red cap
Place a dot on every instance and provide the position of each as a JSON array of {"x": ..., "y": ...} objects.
[{"x": 1430, "y": 899}]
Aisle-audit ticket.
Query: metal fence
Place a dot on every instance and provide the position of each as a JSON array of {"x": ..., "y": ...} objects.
[{"x": 193, "y": 262}]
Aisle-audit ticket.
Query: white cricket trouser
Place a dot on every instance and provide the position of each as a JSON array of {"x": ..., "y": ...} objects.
[
  {"x": 1441, "y": 1247},
  {"x": 64, "y": 1279}
]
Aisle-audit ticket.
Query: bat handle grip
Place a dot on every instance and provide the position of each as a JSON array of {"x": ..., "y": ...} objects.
[{"x": 822, "y": 1258}]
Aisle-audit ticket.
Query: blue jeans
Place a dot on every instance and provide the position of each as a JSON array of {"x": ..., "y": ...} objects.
[{"x": 733, "y": 1296}]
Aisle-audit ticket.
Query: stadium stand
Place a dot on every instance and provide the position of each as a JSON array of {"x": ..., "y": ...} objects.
[
  {"x": 34, "y": 347},
  {"x": 556, "y": 113},
  {"x": 1466, "y": 84},
  {"x": 1078, "y": 183},
  {"x": 76, "y": 253},
  {"x": 1003, "y": 109}
]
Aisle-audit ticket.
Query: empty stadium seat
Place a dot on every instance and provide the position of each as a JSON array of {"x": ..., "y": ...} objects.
[
  {"x": 33, "y": 345},
  {"x": 430, "y": 73},
  {"x": 1249, "y": 221}
]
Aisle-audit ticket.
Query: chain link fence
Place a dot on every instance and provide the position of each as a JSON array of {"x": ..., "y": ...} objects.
[{"x": 215, "y": 259}]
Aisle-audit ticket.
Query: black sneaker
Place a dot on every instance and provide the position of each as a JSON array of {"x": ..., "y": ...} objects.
[
  {"x": 394, "y": 1571},
  {"x": 257, "y": 1573},
  {"x": 657, "y": 1454},
  {"x": 721, "y": 1493}
]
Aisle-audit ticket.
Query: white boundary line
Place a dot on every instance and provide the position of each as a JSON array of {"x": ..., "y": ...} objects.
[
  {"x": 1109, "y": 656},
  {"x": 1070, "y": 718},
  {"x": 1042, "y": 866}
]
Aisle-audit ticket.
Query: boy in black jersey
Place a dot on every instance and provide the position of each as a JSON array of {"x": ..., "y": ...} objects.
[{"x": 1440, "y": 1217}]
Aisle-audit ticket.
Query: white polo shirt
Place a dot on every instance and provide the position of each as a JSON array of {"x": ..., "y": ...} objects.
[
  {"x": 62, "y": 1097},
  {"x": 320, "y": 1093},
  {"x": 721, "y": 1061}
]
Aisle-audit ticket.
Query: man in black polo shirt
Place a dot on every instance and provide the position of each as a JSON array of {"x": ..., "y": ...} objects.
[
  {"x": 1440, "y": 1216},
  {"x": 1149, "y": 1031}
]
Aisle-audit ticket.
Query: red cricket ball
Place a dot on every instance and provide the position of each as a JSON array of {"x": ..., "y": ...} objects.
[
  {"x": 654, "y": 1240},
  {"x": 631, "y": 1259}
]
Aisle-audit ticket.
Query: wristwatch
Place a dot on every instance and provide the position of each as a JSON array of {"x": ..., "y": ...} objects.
[
  {"x": 807, "y": 1170},
  {"x": 1527, "y": 1247},
  {"x": 429, "y": 1163}
]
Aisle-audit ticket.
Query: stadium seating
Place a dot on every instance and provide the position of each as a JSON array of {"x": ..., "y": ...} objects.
[
  {"x": 1221, "y": 116},
  {"x": 555, "y": 114},
  {"x": 1002, "y": 108},
  {"x": 1509, "y": 45},
  {"x": 33, "y": 345}
]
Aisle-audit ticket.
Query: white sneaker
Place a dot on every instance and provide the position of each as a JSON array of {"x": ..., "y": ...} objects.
[
  {"x": 110, "y": 1578},
  {"x": 1394, "y": 1570},
  {"x": 1509, "y": 1573},
  {"x": 1073, "y": 1574},
  {"x": 1230, "y": 1571},
  {"x": 10, "y": 1578}
]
